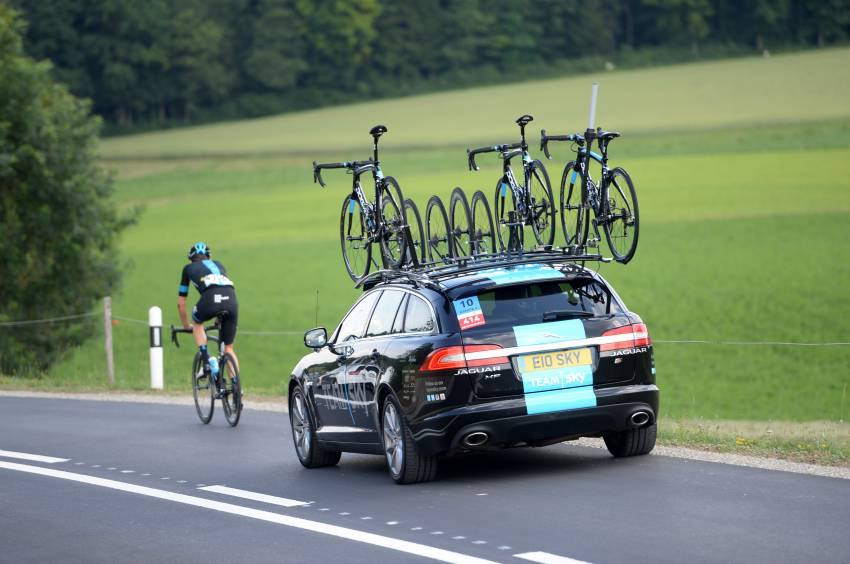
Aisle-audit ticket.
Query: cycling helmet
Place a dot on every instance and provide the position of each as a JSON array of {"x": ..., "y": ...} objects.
[{"x": 199, "y": 248}]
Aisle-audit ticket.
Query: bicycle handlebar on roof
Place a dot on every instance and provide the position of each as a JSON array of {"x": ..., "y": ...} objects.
[{"x": 359, "y": 167}]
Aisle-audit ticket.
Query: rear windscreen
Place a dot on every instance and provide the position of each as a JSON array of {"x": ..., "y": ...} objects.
[{"x": 535, "y": 303}]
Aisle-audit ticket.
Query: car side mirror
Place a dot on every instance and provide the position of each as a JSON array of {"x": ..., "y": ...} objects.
[{"x": 316, "y": 338}]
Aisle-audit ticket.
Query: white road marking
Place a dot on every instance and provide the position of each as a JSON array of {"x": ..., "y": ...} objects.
[
  {"x": 79, "y": 463},
  {"x": 547, "y": 558},
  {"x": 285, "y": 520},
  {"x": 146, "y": 474},
  {"x": 254, "y": 496},
  {"x": 182, "y": 481},
  {"x": 324, "y": 509},
  {"x": 415, "y": 528},
  {"x": 479, "y": 542},
  {"x": 32, "y": 457},
  {"x": 344, "y": 513},
  {"x": 392, "y": 522},
  {"x": 366, "y": 518},
  {"x": 112, "y": 468},
  {"x": 459, "y": 537},
  {"x": 128, "y": 471},
  {"x": 436, "y": 532},
  {"x": 504, "y": 547},
  {"x": 480, "y": 494}
]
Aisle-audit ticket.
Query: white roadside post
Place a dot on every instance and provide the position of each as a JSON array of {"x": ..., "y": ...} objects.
[
  {"x": 155, "y": 322},
  {"x": 591, "y": 124}
]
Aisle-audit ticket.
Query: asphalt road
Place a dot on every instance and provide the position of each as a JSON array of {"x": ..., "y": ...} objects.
[{"x": 127, "y": 488}]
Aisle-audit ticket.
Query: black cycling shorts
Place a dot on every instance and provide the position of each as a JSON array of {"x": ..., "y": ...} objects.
[{"x": 214, "y": 300}]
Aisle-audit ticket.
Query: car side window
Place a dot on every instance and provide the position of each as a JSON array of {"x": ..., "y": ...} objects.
[
  {"x": 385, "y": 313},
  {"x": 354, "y": 324},
  {"x": 398, "y": 324},
  {"x": 418, "y": 318}
]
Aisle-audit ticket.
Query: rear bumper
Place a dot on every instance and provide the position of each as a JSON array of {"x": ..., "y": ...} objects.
[{"x": 506, "y": 422}]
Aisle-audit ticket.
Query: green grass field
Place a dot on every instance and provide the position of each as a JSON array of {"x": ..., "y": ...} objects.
[{"x": 742, "y": 170}]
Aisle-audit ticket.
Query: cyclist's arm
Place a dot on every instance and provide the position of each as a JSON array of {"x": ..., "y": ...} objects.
[{"x": 182, "y": 292}]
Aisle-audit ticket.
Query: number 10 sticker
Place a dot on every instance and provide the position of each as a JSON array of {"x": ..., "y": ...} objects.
[{"x": 469, "y": 312}]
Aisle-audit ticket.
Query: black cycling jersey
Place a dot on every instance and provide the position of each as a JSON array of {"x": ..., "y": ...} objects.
[
  {"x": 211, "y": 275},
  {"x": 203, "y": 274}
]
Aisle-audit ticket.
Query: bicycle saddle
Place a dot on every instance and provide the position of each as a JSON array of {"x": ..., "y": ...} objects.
[
  {"x": 607, "y": 135},
  {"x": 378, "y": 130},
  {"x": 522, "y": 121}
]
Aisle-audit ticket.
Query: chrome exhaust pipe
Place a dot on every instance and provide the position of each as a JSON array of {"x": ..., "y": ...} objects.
[
  {"x": 476, "y": 439},
  {"x": 639, "y": 418}
]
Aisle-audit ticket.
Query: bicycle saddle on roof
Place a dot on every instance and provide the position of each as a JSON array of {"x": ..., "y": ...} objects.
[
  {"x": 524, "y": 120},
  {"x": 378, "y": 130}
]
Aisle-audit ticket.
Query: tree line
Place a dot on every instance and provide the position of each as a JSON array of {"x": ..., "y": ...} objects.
[{"x": 162, "y": 61}]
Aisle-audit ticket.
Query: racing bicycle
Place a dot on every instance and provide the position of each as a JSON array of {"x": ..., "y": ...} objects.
[
  {"x": 613, "y": 201},
  {"x": 206, "y": 388},
  {"x": 526, "y": 204},
  {"x": 362, "y": 222}
]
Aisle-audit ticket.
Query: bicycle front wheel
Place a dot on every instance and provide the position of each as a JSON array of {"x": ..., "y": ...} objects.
[
  {"x": 356, "y": 245},
  {"x": 231, "y": 396},
  {"x": 461, "y": 221},
  {"x": 202, "y": 390},
  {"x": 483, "y": 233},
  {"x": 393, "y": 224},
  {"x": 541, "y": 209},
  {"x": 574, "y": 220},
  {"x": 621, "y": 220},
  {"x": 504, "y": 206},
  {"x": 417, "y": 232},
  {"x": 438, "y": 232}
]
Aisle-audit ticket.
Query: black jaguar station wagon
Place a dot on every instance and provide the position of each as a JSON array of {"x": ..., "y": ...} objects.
[{"x": 462, "y": 359}]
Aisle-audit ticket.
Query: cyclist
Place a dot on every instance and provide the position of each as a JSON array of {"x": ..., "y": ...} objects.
[{"x": 217, "y": 295}]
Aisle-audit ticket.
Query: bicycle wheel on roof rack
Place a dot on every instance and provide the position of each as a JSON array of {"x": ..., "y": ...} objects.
[
  {"x": 484, "y": 238},
  {"x": 574, "y": 219},
  {"x": 621, "y": 222},
  {"x": 437, "y": 232},
  {"x": 460, "y": 217},
  {"x": 417, "y": 232},
  {"x": 541, "y": 204},
  {"x": 393, "y": 240},
  {"x": 503, "y": 204},
  {"x": 353, "y": 236}
]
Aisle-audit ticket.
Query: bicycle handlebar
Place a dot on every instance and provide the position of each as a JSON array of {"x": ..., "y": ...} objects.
[
  {"x": 359, "y": 167},
  {"x": 544, "y": 140},
  {"x": 470, "y": 153},
  {"x": 176, "y": 330}
]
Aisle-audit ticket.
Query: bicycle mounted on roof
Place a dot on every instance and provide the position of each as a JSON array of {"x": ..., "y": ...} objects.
[
  {"x": 613, "y": 201},
  {"x": 529, "y": 204},
  {"x": 363, "y": 222}
]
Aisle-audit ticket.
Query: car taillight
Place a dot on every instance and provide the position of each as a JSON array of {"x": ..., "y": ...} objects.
[
  {"x": 448, "y": 358},
  {"x": 627, "y": 337}
]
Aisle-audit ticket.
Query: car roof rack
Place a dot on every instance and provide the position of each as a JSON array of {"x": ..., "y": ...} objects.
[{"x": 429, "y": 275}]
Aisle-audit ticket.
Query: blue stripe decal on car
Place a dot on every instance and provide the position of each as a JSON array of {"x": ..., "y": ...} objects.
[
  {"x": 560, "y": 400},
  {"x": 544, "y": 333},
  {"x": 522, "y": 273},
  {"x": 212, "y": 266},
  {"x": 555, "y": 389}
]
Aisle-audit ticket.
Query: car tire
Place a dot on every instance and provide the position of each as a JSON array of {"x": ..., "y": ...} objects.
[
  {"x": 310, "y": 453},
  {"x": 404, "y": 462},
  {"x": 631, "y": 442}
]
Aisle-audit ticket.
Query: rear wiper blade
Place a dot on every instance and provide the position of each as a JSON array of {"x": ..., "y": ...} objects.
[{"x": 565, "y": 314}]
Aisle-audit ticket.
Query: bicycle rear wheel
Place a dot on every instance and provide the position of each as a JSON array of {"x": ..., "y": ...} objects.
[
  {"x": 574, "y": 220},
  {"x": 437, "y": 231},
  {"x": 202, "y": 391},
  {"x": 483, "y": 233},
  {"x": 417, "y": 232},
  {"x": 231, "y": 399},
  {"x": 542, "y": 205},
  {"x": 393, "y": 223},
  {"x": 621, "y": 221},
  {"x": 356, "y": 246},
  {"x": 503, "y": 204},
  {"x": 461, "y": 221}
]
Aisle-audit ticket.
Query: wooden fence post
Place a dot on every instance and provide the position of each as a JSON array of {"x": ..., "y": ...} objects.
[{"x": 107, "y": 339}]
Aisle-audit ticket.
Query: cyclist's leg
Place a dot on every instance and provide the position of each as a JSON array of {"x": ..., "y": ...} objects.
[
  {"x": 228, "y": 328},
  {"x": 200, "y": 314}
]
